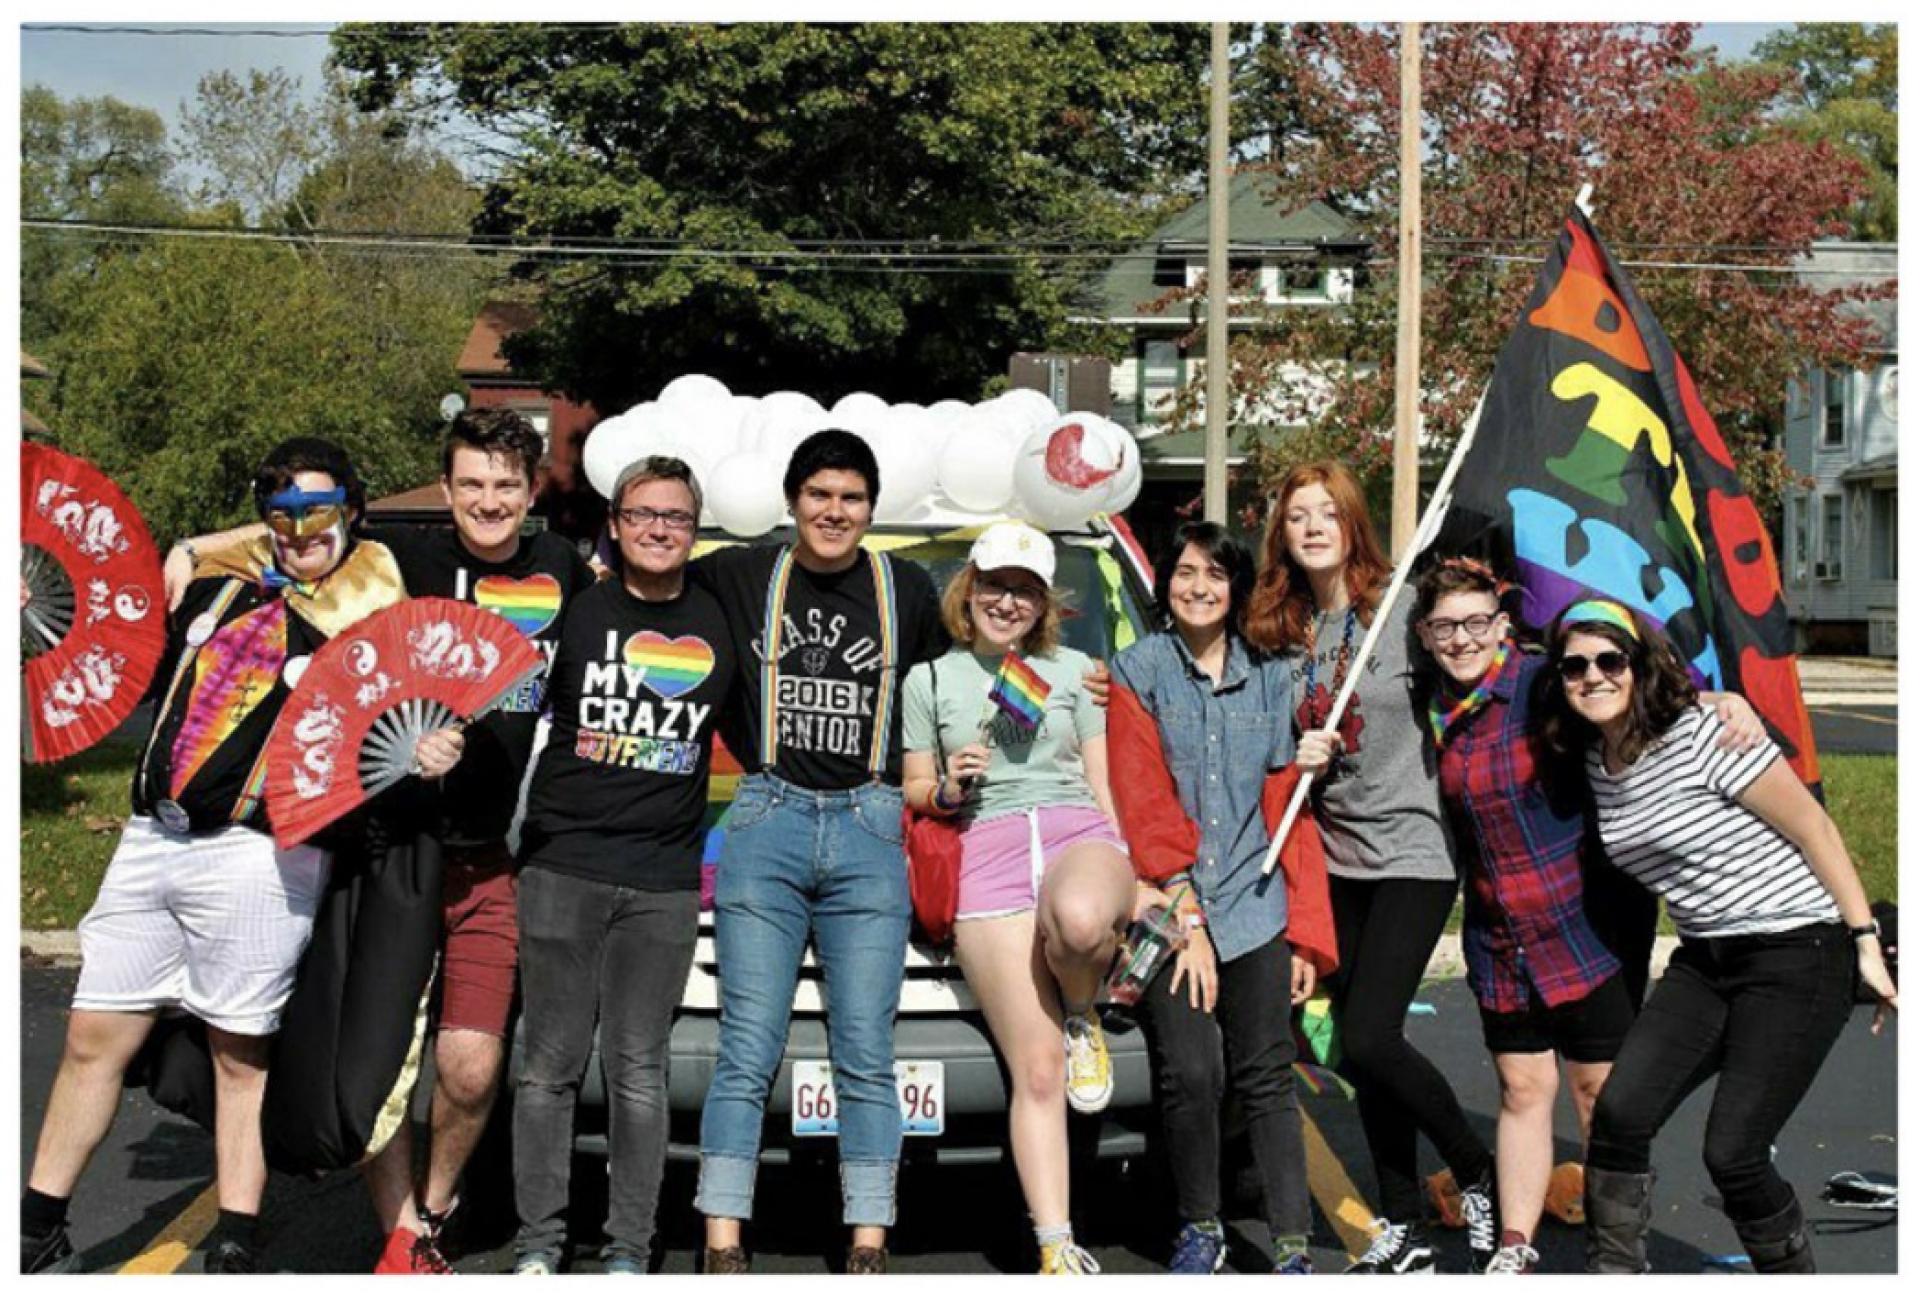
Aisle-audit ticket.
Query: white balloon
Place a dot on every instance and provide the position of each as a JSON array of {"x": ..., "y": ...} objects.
[
  {"x": 948, "y": 410},
  {"x": 1062, "y": 475},
  {"x": 1027, "y": 405},
  {"x": 694, "y": 389},
  {"x": 907, "y": 472},
  {"x": 792, "y": 403},
  {"x": 607, "y": 450},
  {"x": 976, "y": 473},
  {"x": 857, "y": 411},
  {"x": 744, "y": 496},
  {"x": 1125, "y": 488}
]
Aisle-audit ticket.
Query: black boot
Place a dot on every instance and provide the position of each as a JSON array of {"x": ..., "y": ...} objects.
[
  {"x": 1619, "y": 1209},
  {"x": 1779, "y": 1243}
]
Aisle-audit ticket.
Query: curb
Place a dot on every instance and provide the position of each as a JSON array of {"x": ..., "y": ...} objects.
[
  {"x": 1853, "y": 698},
  {"x": 59, "y": 947}
]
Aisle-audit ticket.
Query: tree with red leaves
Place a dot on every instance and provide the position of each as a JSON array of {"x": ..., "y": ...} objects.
[{"x": 1691, "y": 177}]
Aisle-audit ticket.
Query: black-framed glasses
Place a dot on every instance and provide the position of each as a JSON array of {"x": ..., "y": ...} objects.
[
  {"x": 671, "y": 519},
  {"x": 1613, "y": 664},
  {"x": 1445, "y": 628},
  {"x": 1027, "y": 596}
]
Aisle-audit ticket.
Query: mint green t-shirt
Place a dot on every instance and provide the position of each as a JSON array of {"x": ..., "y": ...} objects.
[{"x": 1027, "y": 768}]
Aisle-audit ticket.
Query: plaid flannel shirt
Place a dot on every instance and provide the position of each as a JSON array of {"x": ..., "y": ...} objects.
[{"x": 1523, "y": 837}]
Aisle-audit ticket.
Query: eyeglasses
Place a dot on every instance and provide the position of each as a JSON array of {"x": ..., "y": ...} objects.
[
  {"x": 671, "y": 519},
  {"x": 1613, "y": 664},
  {"x": 1443, "y": 629},
  {"x": 990, "y": 592}
]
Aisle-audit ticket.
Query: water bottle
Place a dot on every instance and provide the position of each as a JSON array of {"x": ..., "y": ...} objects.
[{"x": 1153, "y": 936}]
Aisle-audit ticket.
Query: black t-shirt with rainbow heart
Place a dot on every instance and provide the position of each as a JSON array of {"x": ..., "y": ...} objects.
[
  {"x": 620, "y": 792},
  {"x": 530, "y": 590}
]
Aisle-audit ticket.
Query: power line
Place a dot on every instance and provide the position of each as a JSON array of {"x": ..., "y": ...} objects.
[
  {"x": 915, "y": 261},
  {"x": 88, "y": 29}
]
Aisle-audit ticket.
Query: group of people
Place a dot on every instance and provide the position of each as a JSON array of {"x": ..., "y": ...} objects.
[{"x": 1567, "y": 786}]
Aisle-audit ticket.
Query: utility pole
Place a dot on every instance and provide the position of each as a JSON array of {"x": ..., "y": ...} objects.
[
  {"x": 1406, "y": 377},
  {"x": 1218, "y": 305}
]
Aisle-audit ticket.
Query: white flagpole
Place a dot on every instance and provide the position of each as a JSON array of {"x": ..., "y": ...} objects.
[{"x": 1436, "y": 510}]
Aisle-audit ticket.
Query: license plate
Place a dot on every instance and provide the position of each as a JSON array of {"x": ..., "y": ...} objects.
[{"x": 923, "y": 1098}]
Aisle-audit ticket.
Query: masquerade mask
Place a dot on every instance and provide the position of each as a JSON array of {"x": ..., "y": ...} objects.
[{"x": 294, "y": 514}]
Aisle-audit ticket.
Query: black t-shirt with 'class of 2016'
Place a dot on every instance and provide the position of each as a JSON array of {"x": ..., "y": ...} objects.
[
  {"x": 833, "y": 666},
  {"x": 620, "y": 792}
]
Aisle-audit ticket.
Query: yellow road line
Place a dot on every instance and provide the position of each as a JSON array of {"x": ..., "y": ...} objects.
[
  {"x": 1854, "y": 716},
  {"x": 1339, "y": 1201},
  {"x": 173, "y": 1245}
]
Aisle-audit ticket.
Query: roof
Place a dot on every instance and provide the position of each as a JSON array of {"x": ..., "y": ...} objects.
[
  {"x": 429, "y": 496},
  {"x": 1189, "y": 449},
  {"x": 1870, "y": 264},
  {"x": 1255, "y": 225},
  {"x": 497, "y": 322},
  {"x": 1879, "y": 466},
  {"x": 31, "y": 368}
]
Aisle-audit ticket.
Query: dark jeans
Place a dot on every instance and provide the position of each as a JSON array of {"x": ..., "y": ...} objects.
[
  {"x": 1625, "y": 915},
  {"x": 1760, "y": 1011},
  {"x": 593, "y": 950},
  {"x": 1386, "y": 932},
  {"x": 1252, "y": 1023}
]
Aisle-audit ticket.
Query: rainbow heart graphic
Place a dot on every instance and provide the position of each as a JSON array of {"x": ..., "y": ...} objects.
[
  {"x": 673, "y": 666},
  {"x": 530, "y": 604}
]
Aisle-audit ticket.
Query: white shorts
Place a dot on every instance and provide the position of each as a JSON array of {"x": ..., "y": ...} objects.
[{"x": 213, "y": 924}]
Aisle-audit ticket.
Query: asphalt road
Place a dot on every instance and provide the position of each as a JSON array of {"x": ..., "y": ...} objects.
[
  {"x": 1863, "y": 729},
  {"x": 154, "y": 1167}
]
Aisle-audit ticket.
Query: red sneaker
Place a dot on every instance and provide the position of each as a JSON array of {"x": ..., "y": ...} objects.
[{"x": 410, "y": 1253}]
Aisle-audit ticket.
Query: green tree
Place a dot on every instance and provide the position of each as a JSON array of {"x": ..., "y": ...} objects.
[
  {"x": 95, "y": 160},
  {"x": 1848, "y": 94},
  {"x": 884, "y": 141},
  {"x": 184, "y": 360}
]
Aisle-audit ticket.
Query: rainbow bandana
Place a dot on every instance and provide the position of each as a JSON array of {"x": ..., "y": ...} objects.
[
  {"x": 1605, "y": 611},
  {"x": 1019, "y": 691},
  {"x": 1442, "y": 718}
]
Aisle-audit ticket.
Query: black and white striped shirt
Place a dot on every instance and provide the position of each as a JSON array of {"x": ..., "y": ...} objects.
[{"x": 1672, "y": 821}]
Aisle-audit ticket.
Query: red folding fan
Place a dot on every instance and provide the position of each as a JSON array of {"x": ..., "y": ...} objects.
[
  {"x": 93, "y": 611},
  {"x": 349, "y": 727}
]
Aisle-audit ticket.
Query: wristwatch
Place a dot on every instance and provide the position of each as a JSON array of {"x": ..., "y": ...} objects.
[{"x": 1871, "y": 928}]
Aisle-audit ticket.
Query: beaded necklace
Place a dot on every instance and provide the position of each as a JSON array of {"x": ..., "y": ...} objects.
[{"x": 1340, "y": 664}]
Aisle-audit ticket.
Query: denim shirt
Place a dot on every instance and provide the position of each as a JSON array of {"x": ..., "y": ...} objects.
[{"x": 1219, "y": 743}]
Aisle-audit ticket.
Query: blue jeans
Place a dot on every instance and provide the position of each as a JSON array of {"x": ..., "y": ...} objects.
[{"x": 832, "y": 864}]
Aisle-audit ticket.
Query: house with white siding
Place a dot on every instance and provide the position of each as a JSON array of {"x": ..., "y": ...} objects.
[{"x": 1840, "y": 558}]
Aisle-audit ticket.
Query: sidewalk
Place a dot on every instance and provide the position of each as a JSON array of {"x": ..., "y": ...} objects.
[{"x": 1850, "y": 681}]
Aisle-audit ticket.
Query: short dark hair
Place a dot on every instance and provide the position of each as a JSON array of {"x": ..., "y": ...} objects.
[
  {"x": 298, "y": 455},
  {"x": 1220, "y": 547},
  {"x": 829, "y": 449},
  {"x": 1662, "y": 687},
  {"x": 1454, "y": 576},
  {"x": 496, "y": 431}
]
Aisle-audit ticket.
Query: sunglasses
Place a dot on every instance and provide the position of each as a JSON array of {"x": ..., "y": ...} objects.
[{"x": 1613, "y": 664}]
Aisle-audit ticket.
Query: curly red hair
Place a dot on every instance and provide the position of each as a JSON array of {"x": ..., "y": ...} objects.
[{"x": 1282, "y": 606}]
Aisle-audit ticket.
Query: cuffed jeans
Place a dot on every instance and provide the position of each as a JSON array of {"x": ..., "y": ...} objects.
[
  {"x": 798, "y": 861},
  {"x": 590, "y": 949},
  {"x": 1761, "y": 1012}
]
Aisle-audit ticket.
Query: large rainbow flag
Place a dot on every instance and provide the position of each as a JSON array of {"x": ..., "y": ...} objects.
[{"x": 1597, "y": 471}]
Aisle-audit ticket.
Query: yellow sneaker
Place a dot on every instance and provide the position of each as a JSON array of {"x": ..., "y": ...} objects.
[
  {"x": 1067, "y": 1257},
  {"x": 1089, "y": 1068}
]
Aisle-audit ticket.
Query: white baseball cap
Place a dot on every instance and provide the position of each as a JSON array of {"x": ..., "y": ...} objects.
[{"x": 1014, "y": 544}]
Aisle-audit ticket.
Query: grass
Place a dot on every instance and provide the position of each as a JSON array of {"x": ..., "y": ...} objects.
[{"x": 71, "y": 814}]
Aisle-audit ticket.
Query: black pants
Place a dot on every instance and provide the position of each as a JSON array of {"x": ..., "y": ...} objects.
[
  {"x": 1248, "y": 1041},
  {"x": 1762, "y": 1012},
  {"x": 590, "y": 951},
  {"x": 1625, "y": 915},
  {"x": 1386, "y": 931}
]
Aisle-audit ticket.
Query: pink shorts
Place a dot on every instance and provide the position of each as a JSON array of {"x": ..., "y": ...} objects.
[{"x": 997, "y": 871}]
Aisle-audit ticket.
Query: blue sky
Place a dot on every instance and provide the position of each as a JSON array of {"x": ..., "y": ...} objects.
[{"x": 159, "y": 72}]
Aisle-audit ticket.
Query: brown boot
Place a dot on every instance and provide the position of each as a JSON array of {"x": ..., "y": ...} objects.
[
  {"x": 866, "y": 1260},
  {"x": 1619, "y": 1208},
  {"x": 726, "y": 1260}
]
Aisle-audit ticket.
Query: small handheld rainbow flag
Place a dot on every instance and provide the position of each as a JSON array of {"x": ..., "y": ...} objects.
[{"x": 1019, "y": 691}]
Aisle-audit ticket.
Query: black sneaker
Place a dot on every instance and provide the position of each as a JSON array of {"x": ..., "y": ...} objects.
[
  {"x": 50, "y": 1253},
  {"x": 1396, "y": 1249},
  {"x": 230, "y": 1256},
  {"x": 1482, "y": 1221}
]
